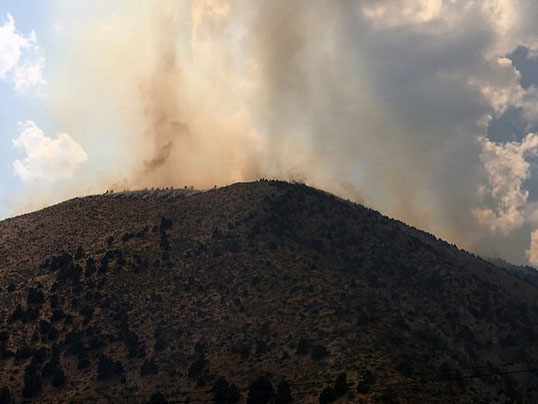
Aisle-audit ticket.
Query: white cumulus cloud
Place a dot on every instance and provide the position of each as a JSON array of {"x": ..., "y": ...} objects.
[
  {"x": 46, "y": 157},
  {"x": 507, "y": 167},
  {"x": 11, "y": 46},
  {"x": 28, "y": 75},
  {"x": 18, "y": 60}
]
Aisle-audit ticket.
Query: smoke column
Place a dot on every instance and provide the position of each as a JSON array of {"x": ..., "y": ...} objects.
[{"x": 381, "y": 104}]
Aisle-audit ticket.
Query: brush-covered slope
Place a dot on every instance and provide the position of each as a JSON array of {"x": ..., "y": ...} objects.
[{"x": 123, "y": 296}]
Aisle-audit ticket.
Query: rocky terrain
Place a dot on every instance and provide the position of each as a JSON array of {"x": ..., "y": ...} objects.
[{"x": 256, "y": 292}]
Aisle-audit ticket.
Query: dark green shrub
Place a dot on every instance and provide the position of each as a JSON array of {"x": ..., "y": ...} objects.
[
  {"x": 5, "y": 396},
  {"x": 197, "y": 367},
  {"x": 319, "y": 352},
  {"x": 340, "y": 385},
  {"x": 260, "y": 391},
  {"x": 328, "y": 395},
  {"x": 149, "y": 367},
  {"x": 157, "y": 398},
  {"x": 105, "y": 367},
  {"x": 35, "y": 296},
  {"x": 225, "y": 393},
  {"x": 32, "y": 382},
  {"x": 283, "y": 393}
]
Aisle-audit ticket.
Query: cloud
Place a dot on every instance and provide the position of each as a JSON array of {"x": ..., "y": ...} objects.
[
  {"x": 18, "y": 60},
  {"x": 507, "y": 167},
  {"x": 28, "y": 75},
  {"x": 11, "y": 46},
  {"x": 46, "y": 158},
  {"x": 532, "y": 252}
]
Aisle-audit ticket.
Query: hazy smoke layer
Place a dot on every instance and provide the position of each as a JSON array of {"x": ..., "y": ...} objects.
[{"x": 386, "y": 102}]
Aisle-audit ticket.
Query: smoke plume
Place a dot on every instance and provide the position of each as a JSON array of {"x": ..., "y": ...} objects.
[{"x": 384, "y": 103}]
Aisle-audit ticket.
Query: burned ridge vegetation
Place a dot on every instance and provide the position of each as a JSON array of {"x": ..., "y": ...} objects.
[{"x": 262, "y": 292}]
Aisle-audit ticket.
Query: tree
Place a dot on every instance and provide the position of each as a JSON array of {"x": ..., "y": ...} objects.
[
  {"x": 32, "y": 382},
  {"x": 5, "y": 396},
  {"x": 327, "y": 396},
  {"x": 58, "y": 379},
  {"x": 225, "y": 393},
  {"x": 368, "y": 379},
  {"x": 260, "y": 391},
  {"x": 149, "y": 367},
  {"x": 319, "y": 352},
  {"x": 303, "y": 346},
  {"x": 340, "y": 385},
  {"x": 157, "y": 398},
  {"x": 35, "y": 296},
  {"x": 105, "y": 367},
  {"x": 198, "y": 367},
  {"x": 283, "y": 393}
]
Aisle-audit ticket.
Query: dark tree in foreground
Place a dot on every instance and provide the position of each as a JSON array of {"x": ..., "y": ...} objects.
[
  {"x": 260, "y": 391},
  {"x": 340, "y": 385},
  {"x": 367, "y": 380},
  {"x": 198, "y": 367},
  {"x": 5, "y": 396},
  {"x": 32, "y": 382},
  {"x": 149, "y": 367},
  {"x": 225, "y": 393},
  {"x": 327, "y": 396},
  {"x": 58, "y": 379},
  {"x": 157, "y": 398},
  {"x": 105, "y": 367},
  {"x": 283, "y": 393}
]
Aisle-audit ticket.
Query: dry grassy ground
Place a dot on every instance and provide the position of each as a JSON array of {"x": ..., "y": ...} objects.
[{"x": 264, "y": 278}]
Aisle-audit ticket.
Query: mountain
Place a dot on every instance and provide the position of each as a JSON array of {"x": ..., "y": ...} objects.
[{"x": 254, "y": 291}]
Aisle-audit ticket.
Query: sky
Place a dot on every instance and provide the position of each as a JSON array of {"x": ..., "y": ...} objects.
[{"x": 425, "y": 110}]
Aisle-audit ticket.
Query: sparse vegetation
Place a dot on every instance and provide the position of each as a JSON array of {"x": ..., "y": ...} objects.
[{"x": 267, "y": 277}]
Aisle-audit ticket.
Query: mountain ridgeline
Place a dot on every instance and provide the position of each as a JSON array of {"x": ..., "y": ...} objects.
[{"x": 255, "y": 292}]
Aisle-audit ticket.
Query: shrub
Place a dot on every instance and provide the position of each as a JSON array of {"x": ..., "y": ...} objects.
[
  {"x": 340, "y": 385},
  {"x": 197, "y": 367},
  {"x": 79, "y": 253},
  {"x": 5, "y": 396},
  {"x": 51, "y": 367},
  {"x": 90, "y": 267},
  {"x": 303, "y": 346},
  {"x": 83, "y": 361},
  {"x": 319, "y": 352},
  {"x": 105, "y": 367},
  {"x": 283, "y": 393},
  {"x": 157, "y": 398},
  {"x": 328, "y": 395},
  {"x": 53, "y": 301},
  {"x": 225, "y": 393},
  {"x": 45, "y": 327},
  {"x": 58, "y": 379},
  {"x": 160, "y": 344},
  {"x": 18, "y": 314},
  {"x": 24, "y": 352},
  {"x": 35, "y": 296},
  {"x": 32, "y": 314},
  {"x": 149, "y": 367},
  {"x": 32, "y": 382},
  {"x": 260, "y": 391},
  {"x": 367, "y": 380}
]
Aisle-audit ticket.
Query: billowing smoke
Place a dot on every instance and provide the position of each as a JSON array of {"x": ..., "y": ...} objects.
[{"x": 386, "y": 102}]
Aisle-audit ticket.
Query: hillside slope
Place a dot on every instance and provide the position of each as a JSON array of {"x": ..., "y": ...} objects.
[{"x": 123, "y": 296}]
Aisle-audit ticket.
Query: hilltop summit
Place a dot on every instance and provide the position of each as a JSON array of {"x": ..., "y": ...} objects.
[{"x": 250, "y": 291}]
